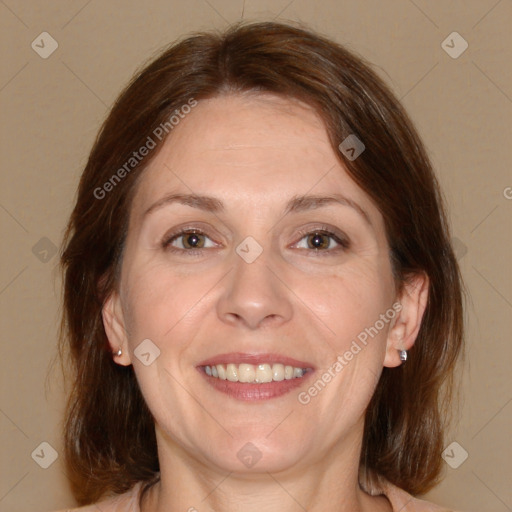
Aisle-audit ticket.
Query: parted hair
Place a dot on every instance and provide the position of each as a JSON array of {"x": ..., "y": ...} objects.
[{"x": 108, "y": 430}]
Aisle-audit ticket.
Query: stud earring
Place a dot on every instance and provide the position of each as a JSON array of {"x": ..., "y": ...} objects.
[
  {"x": 403, "y": 355},
  {"x": 118, "y": 353}
]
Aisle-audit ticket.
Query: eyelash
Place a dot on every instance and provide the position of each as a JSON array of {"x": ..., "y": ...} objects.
[{"x": 341, "y": 240}]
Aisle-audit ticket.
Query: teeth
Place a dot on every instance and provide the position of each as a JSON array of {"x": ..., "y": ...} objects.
[
  {"x": 278, "y": 372},
  {"x": 263, "y": 373},
  {"x": 221, "y": 371},
  {"x": 246, "y": 373},
  {"x": 250, "y": 373},
  {"x": 297, "y": 372},
  {"x": 231, "y": 372}
]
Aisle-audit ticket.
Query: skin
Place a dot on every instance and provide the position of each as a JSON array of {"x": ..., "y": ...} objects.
[{"x": 254, "y": 153}]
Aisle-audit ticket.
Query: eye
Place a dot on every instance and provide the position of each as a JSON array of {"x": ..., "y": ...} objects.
[
  {"x": 187, "y": 240},
  {"x": 323, "y": 240}
]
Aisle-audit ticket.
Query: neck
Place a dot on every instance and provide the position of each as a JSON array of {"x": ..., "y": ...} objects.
[{"x": 327, "y": 484}]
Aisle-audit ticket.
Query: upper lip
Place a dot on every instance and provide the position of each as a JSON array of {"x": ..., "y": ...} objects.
[{"x": 254, "y": 358}]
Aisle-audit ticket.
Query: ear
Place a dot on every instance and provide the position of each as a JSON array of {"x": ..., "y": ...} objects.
[
  {"x": 113, "y": 322},
  {"x": 403, "y": 332}
]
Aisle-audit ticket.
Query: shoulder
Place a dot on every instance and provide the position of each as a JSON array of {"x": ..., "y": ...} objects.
[
  {"x": 104, "y": 506},
  {"x": 87, "y": 508},
  {"x": 109, "y": 505},
  {"x": 404, "y": 502},
  {"x": 127, "y": 502},
  {"x": 400, "y": 500}
]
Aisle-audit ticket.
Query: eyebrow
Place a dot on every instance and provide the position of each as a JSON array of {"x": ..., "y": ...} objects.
[{"x": 294, "y": 205}]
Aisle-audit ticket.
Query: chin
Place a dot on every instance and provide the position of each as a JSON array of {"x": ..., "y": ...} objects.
[{"x": 249, "y": 455}]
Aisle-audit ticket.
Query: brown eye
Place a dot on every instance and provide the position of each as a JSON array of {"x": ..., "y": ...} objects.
[
  {"x": 192, "y": 240},
  {"x": 323, "y": 241},
  {"x": 187, "y": 240},
  {"x": 318, "y": 241}
]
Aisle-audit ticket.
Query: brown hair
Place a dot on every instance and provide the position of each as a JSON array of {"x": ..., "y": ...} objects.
[{"x": 109, "y": 435}]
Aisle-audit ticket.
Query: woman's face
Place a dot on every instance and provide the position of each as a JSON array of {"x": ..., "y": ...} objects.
[{"x": 264, "y": 275}]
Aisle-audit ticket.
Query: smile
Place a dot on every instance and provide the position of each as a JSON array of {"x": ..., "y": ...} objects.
[
  {"x": 251, "y": 377},
  {"x": 250, "y": 373}
]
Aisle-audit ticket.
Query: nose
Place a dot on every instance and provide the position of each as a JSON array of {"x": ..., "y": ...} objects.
[{"x": 254, "y": 295}]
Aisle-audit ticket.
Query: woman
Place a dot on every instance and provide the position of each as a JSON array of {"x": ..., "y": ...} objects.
[{"x": 262, "y": 306}]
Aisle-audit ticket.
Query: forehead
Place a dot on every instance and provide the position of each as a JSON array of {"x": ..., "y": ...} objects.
[{"x": 250, "y": 150}]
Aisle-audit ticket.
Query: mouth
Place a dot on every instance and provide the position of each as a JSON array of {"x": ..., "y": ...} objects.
[{"x": 254, "y": 376}]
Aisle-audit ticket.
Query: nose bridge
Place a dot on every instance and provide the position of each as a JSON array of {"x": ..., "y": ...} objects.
[{"x": 253, "y": 293}]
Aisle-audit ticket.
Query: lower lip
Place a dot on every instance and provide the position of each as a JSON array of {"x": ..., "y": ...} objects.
[{"x": 253, "y": 392}]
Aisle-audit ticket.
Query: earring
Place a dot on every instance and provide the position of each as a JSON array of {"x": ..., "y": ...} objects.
[
  {"x": 118, "y": 353},
  {"x": 403, "y": 355}
]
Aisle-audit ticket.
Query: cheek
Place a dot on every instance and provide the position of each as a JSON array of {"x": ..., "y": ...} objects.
[
  {"x": 349, "y": 300},
  {"x": 161, "y": 302},
  {"x": 351, "y": 304},
  {"x": 164, "y": 308},
  {"x": 166, "y": 302}
]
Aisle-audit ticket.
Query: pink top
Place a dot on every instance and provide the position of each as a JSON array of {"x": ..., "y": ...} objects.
[{"x": 400, "y": 500}]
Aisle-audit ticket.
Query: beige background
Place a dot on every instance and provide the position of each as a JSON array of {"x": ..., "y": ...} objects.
[{"x": 51, "y": 110}]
